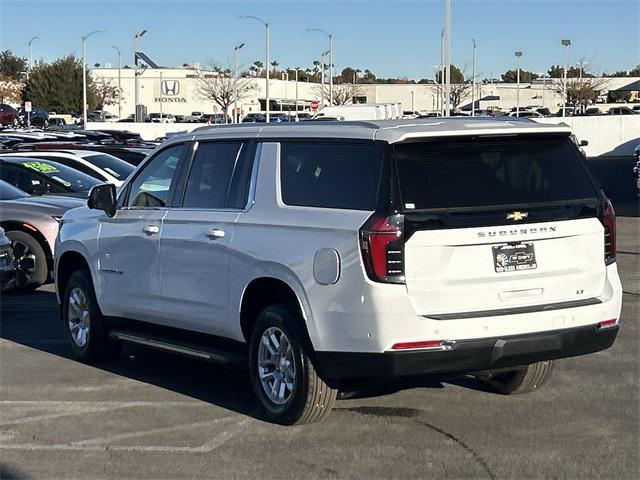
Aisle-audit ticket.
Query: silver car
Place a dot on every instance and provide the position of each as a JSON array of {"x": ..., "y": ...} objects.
[{"x": 31, "y": 223}]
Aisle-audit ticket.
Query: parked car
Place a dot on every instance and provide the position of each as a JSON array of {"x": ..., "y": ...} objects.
[
  {"x": 592, "y": 111},
  {"x": 324, "y": 256},
  {"x": 8, "y": 115},
  {"x": 636, "y": 108},
  {"x": 38, "y": 117},
  {"x": 31, "y": 224},
  {"x": 37, "y": 176},
  {"x": 162, "y": 118},
  {"x": 7, "y": 267},
  {"x": 254, "y": 117},
  {"x": 621, "y": 111},
  {"x": 526, "y": 114},
  {"x": 101, "y": 166},
  {"x": 195, "y": 117}
]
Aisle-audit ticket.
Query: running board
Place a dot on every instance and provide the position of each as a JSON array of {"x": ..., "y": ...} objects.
[{"x": 168, "y": 345}]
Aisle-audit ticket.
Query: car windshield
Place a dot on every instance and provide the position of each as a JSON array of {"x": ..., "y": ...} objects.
[
  {"x": 68, "y": 179},
  {"x": 9, "y": 192},
  {"x": 490, "y": 172},
  {"x": 112, "y": 165}
]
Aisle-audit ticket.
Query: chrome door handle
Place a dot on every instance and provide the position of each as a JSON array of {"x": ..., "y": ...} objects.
[
  {"x": 151, "y": 229},
  {"x": 215, "y": 233}
]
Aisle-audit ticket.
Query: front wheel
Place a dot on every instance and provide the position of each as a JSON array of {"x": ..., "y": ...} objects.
[
  {"x": 282, "y": 375},
  {"x": 521, "y": 380},
  {"x": 84, "y": 324}
]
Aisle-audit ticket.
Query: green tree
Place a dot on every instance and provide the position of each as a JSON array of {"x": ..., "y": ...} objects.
[
  {"x": 457, "y": 76},
  {"x": 511, "y": 76},
  {"x": 57, "y": 86},
  {"x": 635, "y": 72},
  {"x": 11, "y": 65}
]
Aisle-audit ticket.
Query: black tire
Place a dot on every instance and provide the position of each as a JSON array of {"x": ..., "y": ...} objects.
[
  {"x": 32, "y": 269},
  {"x": 98, "y": 347},
  {"x": 311, "y": 399},
  {"x": 521, "y": 380}
]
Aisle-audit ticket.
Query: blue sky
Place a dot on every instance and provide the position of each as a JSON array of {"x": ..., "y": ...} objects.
[{"x": 392, "y": 38}]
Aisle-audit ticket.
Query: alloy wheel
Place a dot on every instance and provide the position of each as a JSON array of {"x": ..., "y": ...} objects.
[
  {"x": 78, "y": 317},
  {"x": 276, "y": 366},
  {"x": 25, "y": 262}
]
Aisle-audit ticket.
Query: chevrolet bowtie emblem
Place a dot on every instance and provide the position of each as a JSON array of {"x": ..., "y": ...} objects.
[{"x": 515, "y": 216}]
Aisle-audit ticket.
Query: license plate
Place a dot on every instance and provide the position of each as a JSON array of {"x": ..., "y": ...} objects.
[{"x": 514, "y": 257}]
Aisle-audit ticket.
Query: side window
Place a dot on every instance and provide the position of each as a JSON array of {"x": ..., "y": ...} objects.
[
  {"x": 152, "y": 186},
  {"x": 75, "y": 165},
  {"x": 328, "y": 174},
  {"x": 210, "y": 174}
]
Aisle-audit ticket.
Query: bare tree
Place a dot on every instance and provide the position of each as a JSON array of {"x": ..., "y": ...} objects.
[
  {"x": 106, "y": 93},
  {"x": 343, "y": 93},
  {"x": 581, "y": 92},
  {"x": 219, "y": 86},
  {"x": 10, "y": 89}
]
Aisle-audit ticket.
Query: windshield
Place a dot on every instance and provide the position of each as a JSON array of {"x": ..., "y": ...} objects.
[
  {"x": 67, "y": 179},
  {"x": 9, "y": 192},
  {"x": 112, "y": 165},
  {"x": 485, "y": 172}
]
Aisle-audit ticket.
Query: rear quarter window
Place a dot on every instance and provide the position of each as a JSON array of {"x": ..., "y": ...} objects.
[{"x": 328, "y": 174}]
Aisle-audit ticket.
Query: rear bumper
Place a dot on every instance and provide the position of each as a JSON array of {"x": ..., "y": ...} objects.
[{"x": 468, "y": 355}]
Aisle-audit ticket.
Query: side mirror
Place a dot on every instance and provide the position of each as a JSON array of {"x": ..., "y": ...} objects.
[
  {"x": 584, "y": 143},
  {"x": 103, "y": 197}
]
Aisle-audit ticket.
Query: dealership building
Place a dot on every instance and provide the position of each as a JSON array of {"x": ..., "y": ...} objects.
[{"x": 175, "y": 91}]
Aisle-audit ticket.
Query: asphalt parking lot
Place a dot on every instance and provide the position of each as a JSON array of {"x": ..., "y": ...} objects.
[{"x": 152, "y": 415}]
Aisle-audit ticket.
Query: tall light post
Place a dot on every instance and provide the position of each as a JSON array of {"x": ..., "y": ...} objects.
[
  {"x": 120, "y": 81},
  {"x": 518, "y": 55},
  {"x": 235, "y": 81},
  {"x": 330, "y": 37},
  {"x": 413, "y": 108},
  {"x": 543, "y": 77},
  {"x": 266, "y": 27},
  {"x": 322, "y": 69},
  {"x": 565, "y": 43},
  {"x": 473, "y": 81},
  {"x": 442, "y": 72},
  {"x": 30, "y": 65},
  {"x": 438, "y": 69},
  {"x": 136, "y": 74},
  {"x": 84, "y": 76},
  {"x": 447, "y": 54}
]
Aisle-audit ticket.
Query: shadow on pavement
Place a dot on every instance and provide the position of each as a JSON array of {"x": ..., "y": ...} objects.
[
  {"x": 226, "y": 387},
  {"x": 615, "y": 175}
]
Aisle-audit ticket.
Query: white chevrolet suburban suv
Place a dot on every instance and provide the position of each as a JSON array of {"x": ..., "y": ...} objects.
[{"x": 332, "y": 253}]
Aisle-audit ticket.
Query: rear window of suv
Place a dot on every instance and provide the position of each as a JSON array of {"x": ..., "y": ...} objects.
[
  {"x": 328, "y": 174},
  {"x": 485, "y": 172}
]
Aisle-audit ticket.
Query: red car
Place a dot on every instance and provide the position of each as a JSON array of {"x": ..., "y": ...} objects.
[{"x": 8, "y": 115}]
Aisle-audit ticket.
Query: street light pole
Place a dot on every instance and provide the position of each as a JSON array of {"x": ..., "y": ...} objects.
[
  {"x": 447, "y": 54},
  {"x": 235, "y": 81},
  {"x": 518, "y": 55},
  {"x": 442, "y": 73},
  {"x": 136, "y": 73},
  {"x": 30, "y": 66},
  {"x": 266, "y": 26},
  {"x": 330, "y": 37},
  {"x": 473, "y": 81},
  {"x": 565, "y": 43},
  {"x": 119, "y": 81},
  {"x": 84, "y": 77}
]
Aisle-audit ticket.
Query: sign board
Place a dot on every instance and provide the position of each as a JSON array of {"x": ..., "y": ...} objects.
[
  {"x": 27, "y": 106},
  {"x": 314, "y": 104}
]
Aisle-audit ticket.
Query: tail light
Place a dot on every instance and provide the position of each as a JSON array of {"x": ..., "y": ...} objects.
[
  {"x": 382, "y": 248},
  {"x": 608, "y": 219}
]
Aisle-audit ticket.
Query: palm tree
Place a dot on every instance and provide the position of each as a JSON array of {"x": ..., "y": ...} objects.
[
  {"x": 274, "y": 64},
  {"x": 258, "y": 66}
]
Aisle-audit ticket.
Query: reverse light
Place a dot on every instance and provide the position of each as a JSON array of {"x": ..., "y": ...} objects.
[{"x": 382, "y": 248}]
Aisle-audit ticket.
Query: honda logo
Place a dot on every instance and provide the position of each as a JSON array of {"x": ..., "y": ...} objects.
[{"x": 170, "y": 87}]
